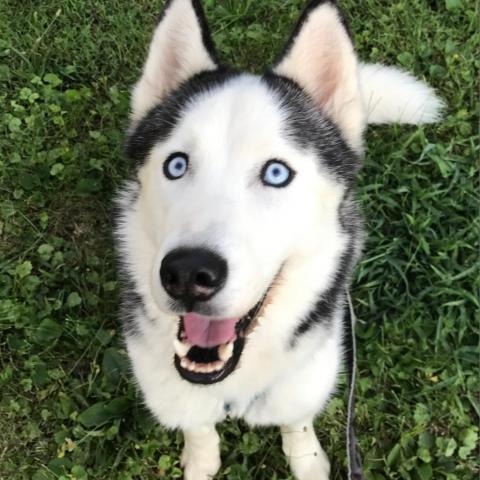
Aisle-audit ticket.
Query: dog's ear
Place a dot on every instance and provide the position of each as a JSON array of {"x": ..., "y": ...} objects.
[
  {"x": 320, "y": 58},
  {"x": 180, "y": 48}
]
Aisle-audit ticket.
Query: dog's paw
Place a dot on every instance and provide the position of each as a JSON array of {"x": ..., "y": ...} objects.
[
  {"x": 310, "y": 466},
  {"x": 304, "y": 453},
  {"x": 200, "y": 464}
]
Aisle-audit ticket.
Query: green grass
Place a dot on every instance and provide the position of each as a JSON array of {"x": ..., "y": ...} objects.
[{"x": 68, "y": 407}]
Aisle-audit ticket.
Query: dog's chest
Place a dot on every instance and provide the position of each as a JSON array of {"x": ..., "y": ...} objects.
[{"x": 239, "y": 408}]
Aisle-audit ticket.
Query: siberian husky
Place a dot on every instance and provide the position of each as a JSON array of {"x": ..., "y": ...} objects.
[{"x": 239, "y": 230}]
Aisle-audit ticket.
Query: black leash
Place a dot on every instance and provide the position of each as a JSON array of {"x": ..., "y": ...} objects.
[{"x": 355, "y": 470}]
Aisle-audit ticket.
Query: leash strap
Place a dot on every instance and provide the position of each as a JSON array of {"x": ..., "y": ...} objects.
[{"x": 355, "y": 470}]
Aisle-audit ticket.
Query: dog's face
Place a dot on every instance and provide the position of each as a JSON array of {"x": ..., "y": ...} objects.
[
  {"x": 240, "y": 177},
  {"x": 229, "y": 179}
]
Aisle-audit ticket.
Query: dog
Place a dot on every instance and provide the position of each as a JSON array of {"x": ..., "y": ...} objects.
[{"x": 238, "y": 231}]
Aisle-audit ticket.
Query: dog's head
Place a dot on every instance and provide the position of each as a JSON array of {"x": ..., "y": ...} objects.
[{"x": 242, "y": 179}]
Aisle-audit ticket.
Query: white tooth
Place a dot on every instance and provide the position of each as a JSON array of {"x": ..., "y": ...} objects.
[
  {"x": 225, "y": 351},
  {"x": 218, "y": 365},
  {"x": 181, "y": 348},
  {"x": 197, "y": 367},
  {"x": 188, "y": 364}
]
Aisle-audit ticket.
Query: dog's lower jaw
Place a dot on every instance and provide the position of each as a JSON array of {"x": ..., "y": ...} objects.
[
  {"x": 201, "y": 454},
  {"x": 304, "y": 453}
]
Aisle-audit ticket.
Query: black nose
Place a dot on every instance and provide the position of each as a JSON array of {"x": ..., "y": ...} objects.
[{"x": 193, "y": 274}]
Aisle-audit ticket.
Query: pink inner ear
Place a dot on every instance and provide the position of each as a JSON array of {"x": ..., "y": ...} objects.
[
  {"x": 321, "y": 57},
  {"x": 322, "y": 61},
  {"x": 324, "y": 48},
  {"x": 327, "y": 82},
  {"x": 172, "y": 67}
]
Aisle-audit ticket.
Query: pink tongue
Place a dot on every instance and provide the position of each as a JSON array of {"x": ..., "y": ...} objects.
[{"x": 207, "y": 332}]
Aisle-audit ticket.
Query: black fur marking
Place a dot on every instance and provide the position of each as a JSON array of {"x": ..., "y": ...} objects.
[
  {"x": 350, "y": 218},
  {"x": 309, "y": 128},
  {"x": 334, "y": 296},
  {"x": 329, "y": 300},
  {"x": 202, "y": 22},
  {"x": 160, "y": 121},
  {"x": 126, "y": 198},
  {"x": 131, "y": 306},
  {"x": 131, "y": 302},
  {"x": 314, "y": 4},
  {"x": 206, "y": 36}
]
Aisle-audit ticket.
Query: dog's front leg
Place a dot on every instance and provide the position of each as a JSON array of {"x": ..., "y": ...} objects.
[
  {"x": 201, "y": 454},
  {"x": 305, "y": 455}
]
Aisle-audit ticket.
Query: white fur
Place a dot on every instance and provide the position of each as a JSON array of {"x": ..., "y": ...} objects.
[
  {"x": 201, "y": 454},
  {"x": 289, "y": 383},
  {"x": 305, "y": 455},
  {"x": 162, "y": 219},
  {"x": 229, "y": 132},
  {"x": 391, "y": 95},
  {"x": 236, "y": 143}
]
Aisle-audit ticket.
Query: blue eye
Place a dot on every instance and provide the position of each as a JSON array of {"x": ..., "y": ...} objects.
[
  {"x": 276, "y": 173},
  {"x": 175, "y": 166}
]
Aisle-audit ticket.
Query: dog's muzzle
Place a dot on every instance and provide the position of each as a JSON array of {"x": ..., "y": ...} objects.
[{"x": 207, "y": 348}]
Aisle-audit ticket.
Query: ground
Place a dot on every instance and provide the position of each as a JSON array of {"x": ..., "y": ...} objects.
[{"x": 68, "y": 406}]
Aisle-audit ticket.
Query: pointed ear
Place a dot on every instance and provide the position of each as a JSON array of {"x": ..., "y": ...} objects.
[
  {"x": 180, "y": 48},
  {"x": 320, "y": 57}
]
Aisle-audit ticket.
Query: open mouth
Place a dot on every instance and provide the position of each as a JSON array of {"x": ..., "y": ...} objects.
[{"x": 207, "y": 349}]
